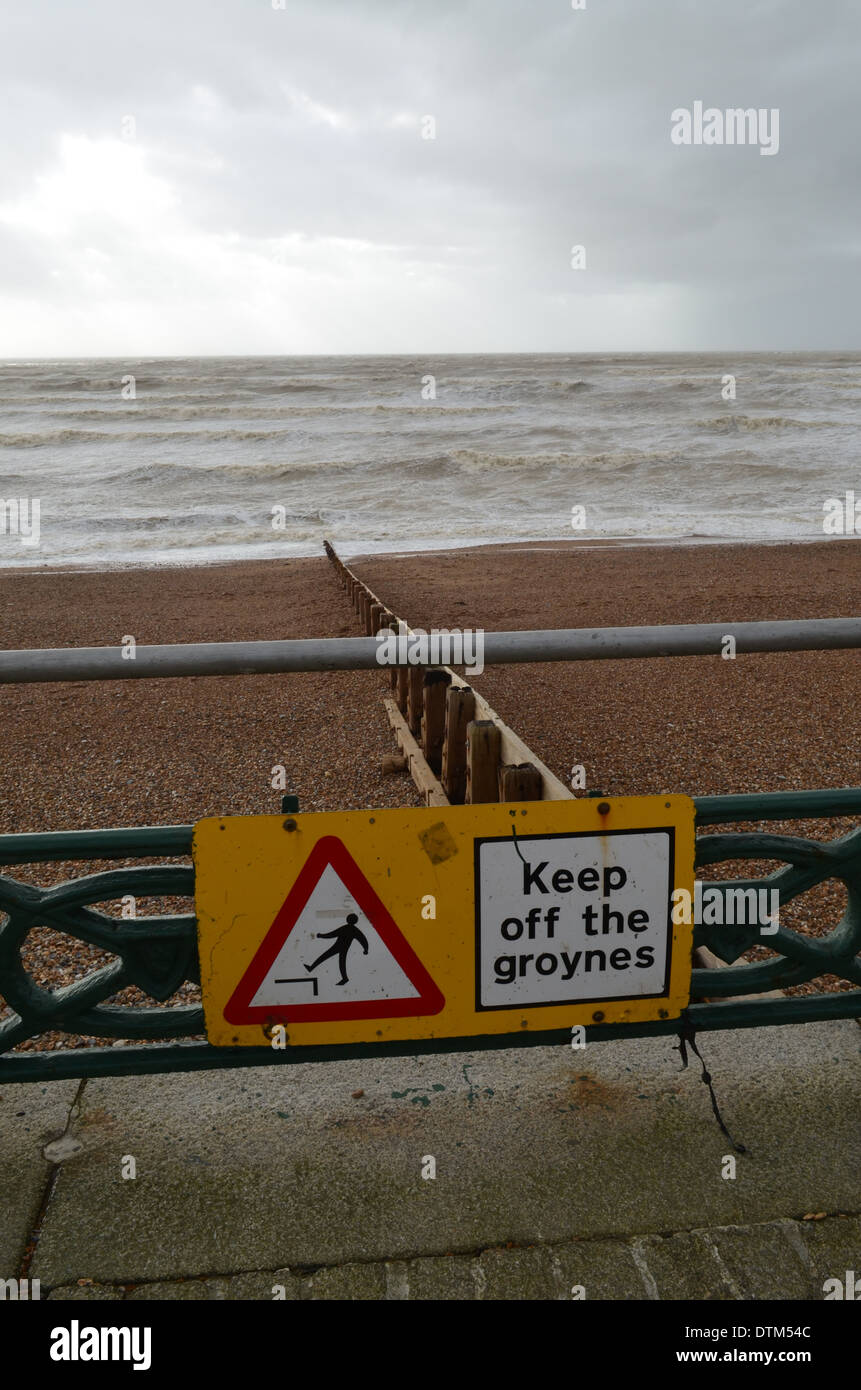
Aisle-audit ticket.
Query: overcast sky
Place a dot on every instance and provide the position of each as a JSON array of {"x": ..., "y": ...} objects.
[{"x": 273, "y": 192}]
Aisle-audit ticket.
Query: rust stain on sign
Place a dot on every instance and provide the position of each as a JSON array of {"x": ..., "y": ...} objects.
[{"x": 437, "y": 843}]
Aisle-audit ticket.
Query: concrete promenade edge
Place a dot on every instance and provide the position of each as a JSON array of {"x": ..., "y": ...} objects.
[{"x": 556, "y": 1170}]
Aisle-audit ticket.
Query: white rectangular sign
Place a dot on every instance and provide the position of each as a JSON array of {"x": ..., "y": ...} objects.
[{"x": 573, "y": 917}]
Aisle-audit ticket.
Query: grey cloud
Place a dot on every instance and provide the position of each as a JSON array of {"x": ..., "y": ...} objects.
[{"x": 552, "y": 128}]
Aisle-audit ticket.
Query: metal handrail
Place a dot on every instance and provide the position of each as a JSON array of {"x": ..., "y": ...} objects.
[{"x": 362, "y": 653}]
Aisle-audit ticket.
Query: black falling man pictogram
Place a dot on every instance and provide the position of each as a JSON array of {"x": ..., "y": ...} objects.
[{"x": 344, "y": 937}]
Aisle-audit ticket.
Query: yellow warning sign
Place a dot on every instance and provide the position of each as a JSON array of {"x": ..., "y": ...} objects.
[{"x": 462, "y": 921}]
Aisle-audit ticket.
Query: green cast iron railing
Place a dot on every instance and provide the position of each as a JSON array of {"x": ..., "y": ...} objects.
[{"x": 159, "y": 953}]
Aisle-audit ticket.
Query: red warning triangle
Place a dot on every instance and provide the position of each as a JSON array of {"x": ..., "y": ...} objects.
[{"x": 361, "y": 967}]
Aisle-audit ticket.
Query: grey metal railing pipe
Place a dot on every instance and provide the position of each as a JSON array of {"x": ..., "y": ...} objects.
[{"x": 360, "y": 653}]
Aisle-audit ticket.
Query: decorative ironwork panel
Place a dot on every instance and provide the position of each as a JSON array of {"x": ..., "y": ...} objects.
[
  {"x": 155, "y": 953},
  {"x": 799, "y": 957}
]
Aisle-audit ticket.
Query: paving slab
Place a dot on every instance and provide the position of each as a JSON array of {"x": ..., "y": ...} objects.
[
  {"x": 185, "y": 1290},
  {"x": 31, "y": 1116},
  {"x": 722, "y": 1263},
  {"x": 446, "y": 1278},
  {"x": 833, "y": 1249},
  {"x": 518, "y": 1274},
  {"x": 283, "y": 1167},
  {"x": 353, "y": 1282},
  {"x": 87, "y": 1293},
  {"x": 763, "y": 1262},
  {"x": 683, "y": 1266},
  {"x": 603, "y": 1269},
  {"x": 259, "y": 1286}
]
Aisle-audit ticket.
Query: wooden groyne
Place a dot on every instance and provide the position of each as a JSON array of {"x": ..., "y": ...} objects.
[{"x": 455, "y": 746}]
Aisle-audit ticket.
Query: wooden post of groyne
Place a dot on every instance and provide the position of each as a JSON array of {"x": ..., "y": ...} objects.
[
  {"x": 519, "y": 782},
  {"x": 482, "y": 761},
  {"x": 434, "y": 694},
  {"x": 459, "y": 710},
  {"x": 430, "y": 714},
  {"x": 415, "y": 687}
]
